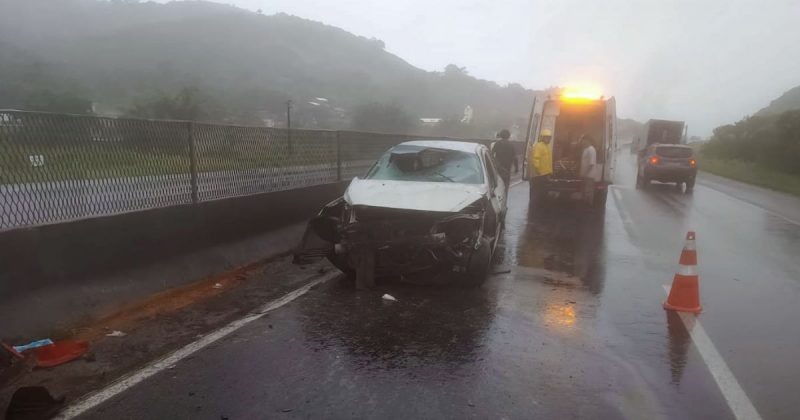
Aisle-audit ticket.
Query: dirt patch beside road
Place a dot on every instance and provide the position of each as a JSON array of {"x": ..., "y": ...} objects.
[{"x": 157, "y": 326}]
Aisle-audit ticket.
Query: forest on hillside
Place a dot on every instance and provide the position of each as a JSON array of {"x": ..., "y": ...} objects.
[{"x": 218, "y": 63}]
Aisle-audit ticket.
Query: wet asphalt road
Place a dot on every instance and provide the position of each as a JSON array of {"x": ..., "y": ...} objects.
[{"x": 574, "y": 330}]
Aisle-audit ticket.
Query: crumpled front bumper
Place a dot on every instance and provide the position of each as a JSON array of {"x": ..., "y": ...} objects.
[{"x": 401, "y": 247}]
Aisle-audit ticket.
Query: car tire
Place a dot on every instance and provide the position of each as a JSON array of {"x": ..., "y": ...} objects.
[
  {"x": 479, "y": 264},
  {"x": 600, "y": 198},
  {"x": 690, "y": 184},
  {"x": 340, "y": 262}
]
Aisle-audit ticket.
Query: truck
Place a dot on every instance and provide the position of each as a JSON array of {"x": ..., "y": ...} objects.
[
  {"x": 569, "y": 117},
  {"x": 659, "y": 131}
]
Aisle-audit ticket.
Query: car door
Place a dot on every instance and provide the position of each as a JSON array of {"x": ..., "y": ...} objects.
[{"x": 497, "y": 188}]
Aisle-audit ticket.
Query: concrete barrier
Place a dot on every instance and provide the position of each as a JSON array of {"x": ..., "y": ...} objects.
[{"x": 53, "y": 276}]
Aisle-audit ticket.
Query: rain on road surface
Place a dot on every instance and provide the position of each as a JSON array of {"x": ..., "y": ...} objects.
[{"x": 574, "y": 330}]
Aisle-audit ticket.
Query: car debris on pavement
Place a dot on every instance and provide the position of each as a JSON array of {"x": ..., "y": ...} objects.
[
  {"x": 39, "y": 343},
  {"x": 60, "y": 352}
]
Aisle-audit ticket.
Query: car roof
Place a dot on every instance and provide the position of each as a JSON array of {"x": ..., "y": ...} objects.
[{"x": 462, "y": 146}]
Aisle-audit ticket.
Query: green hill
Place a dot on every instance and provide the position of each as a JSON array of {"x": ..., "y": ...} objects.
[
  {"x": 787, "y": 102},
  {"x": 243, "y": 65}
]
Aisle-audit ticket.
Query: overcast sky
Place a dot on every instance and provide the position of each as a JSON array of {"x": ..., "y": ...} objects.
[{"x": 708, "y": 62}]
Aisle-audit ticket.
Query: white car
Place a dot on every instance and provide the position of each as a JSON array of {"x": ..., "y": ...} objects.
[{"x": 426, "y": 210}]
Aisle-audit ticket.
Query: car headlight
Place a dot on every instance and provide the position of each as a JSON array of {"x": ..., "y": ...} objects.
[{"x": 459, "y": 227}]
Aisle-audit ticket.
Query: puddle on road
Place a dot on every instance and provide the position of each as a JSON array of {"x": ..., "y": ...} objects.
[{"x": 561, "y": 241}]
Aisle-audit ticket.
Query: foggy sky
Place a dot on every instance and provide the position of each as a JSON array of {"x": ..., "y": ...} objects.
[{"x": 708, "y": 62}]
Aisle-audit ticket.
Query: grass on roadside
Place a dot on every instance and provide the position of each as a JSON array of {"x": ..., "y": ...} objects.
[
  {"x": 102, "y": 161},
  {"x": 752, "y": 173}
]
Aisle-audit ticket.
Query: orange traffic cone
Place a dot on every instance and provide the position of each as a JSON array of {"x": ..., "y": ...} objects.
[{"x": 684, "y": 296}]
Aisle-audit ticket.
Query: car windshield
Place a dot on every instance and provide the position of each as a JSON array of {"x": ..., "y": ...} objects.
[
  {"x": 674, "y": 152},
  {"x": 427, "y": 164}
]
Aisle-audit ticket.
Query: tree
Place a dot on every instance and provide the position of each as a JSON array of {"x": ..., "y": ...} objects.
[
  {"x": 388, "y": 118},
  {"x": 64, "y": 102},
  {"x": 378, "y": 43},
  {"x": 771, "y": 141},
  {"x": 185, "y": 105},
  {"x": 454, "y": 70}
]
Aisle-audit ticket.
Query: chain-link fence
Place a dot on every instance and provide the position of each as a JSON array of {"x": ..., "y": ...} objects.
[{"x": 55, "y": 167}]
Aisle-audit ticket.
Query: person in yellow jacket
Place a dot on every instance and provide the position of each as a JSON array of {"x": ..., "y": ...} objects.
[{"x": 541, "y": 165}]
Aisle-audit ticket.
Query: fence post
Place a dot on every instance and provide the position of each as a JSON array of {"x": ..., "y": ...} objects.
[
  {"x": 193, "y": 163},
  {"x": 338, "y": 157}
]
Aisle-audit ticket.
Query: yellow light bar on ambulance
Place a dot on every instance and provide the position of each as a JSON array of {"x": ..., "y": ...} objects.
[{"x": 580, "y": 94}]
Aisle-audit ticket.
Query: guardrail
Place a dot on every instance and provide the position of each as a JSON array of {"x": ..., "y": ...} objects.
[{"x": 56, "y": 167}]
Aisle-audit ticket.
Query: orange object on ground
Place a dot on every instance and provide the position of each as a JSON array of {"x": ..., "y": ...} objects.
[
  {"x": 11, "y": 350},
  {"x": 684, "y": 296},
  {"x": 60, "y": 352}
]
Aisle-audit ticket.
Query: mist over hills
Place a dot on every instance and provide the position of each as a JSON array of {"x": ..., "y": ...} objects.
[{"x": 242, "y": 66}]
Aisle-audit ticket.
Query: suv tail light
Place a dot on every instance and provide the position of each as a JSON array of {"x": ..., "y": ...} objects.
[{"x": 654, "y": 160}]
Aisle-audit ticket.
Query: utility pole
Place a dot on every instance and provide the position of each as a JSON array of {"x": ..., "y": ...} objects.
[{"x": 289, "y": 125}]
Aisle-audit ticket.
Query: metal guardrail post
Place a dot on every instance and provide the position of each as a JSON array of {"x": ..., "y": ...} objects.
[
  {"x": 289, "y": 126},
  {"x": 193, "y": 164},
  {"x": 338, "y": 156}
]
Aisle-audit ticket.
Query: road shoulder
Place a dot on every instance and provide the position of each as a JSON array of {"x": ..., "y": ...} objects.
[
  {"x": 161, "y": 324},
  {"x": 777, "y": 203}
]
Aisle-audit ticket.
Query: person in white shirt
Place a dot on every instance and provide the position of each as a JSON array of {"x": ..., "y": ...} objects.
[{"x": 588, "y": 168}]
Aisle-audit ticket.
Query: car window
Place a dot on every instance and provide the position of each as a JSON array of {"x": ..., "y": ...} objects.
[
  {"x": 674, "y": 152},
  {"x": 427, "y": 164}
]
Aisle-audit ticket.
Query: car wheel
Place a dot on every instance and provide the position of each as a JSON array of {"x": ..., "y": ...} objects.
[
  {"x": 646, "y": 182},
  {"x": 600, "y": 198},
  {"x": 340, "y": 262},
  {"x": 690, "y": 184},
  {"x": 479, "y": 264}
]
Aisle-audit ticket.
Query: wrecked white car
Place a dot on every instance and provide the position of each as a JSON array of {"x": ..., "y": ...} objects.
[{"x": 426, "y": 211}]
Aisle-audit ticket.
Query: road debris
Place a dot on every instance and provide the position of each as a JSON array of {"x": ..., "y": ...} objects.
[
  {"x": 40, "y": 343},
  {"x": 60, "y": 352},
  {"x": 116, "y": 333},
  {"x": 13, "y": 352},
  {"x": 33, "y": 402},
  {"x": 388, "y": 297},
  {"x": 217, "y": 286}
]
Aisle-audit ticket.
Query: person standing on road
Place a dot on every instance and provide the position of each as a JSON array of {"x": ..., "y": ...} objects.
[
  {"x": 541, "y": 165},
  {"x": 505, "y": 156},
  {"x": 588, "y": 168}
]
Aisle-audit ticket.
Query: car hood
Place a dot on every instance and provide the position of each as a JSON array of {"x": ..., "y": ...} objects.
[{"x": 409, "y": 195}]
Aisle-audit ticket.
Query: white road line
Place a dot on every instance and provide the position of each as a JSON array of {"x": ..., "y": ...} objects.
[
  {"x": 780, "y": 216},
  {"x": 128, "y": 381},
  {"x": 626, "y": 219},
  {"x": 738, "y": 401}
]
